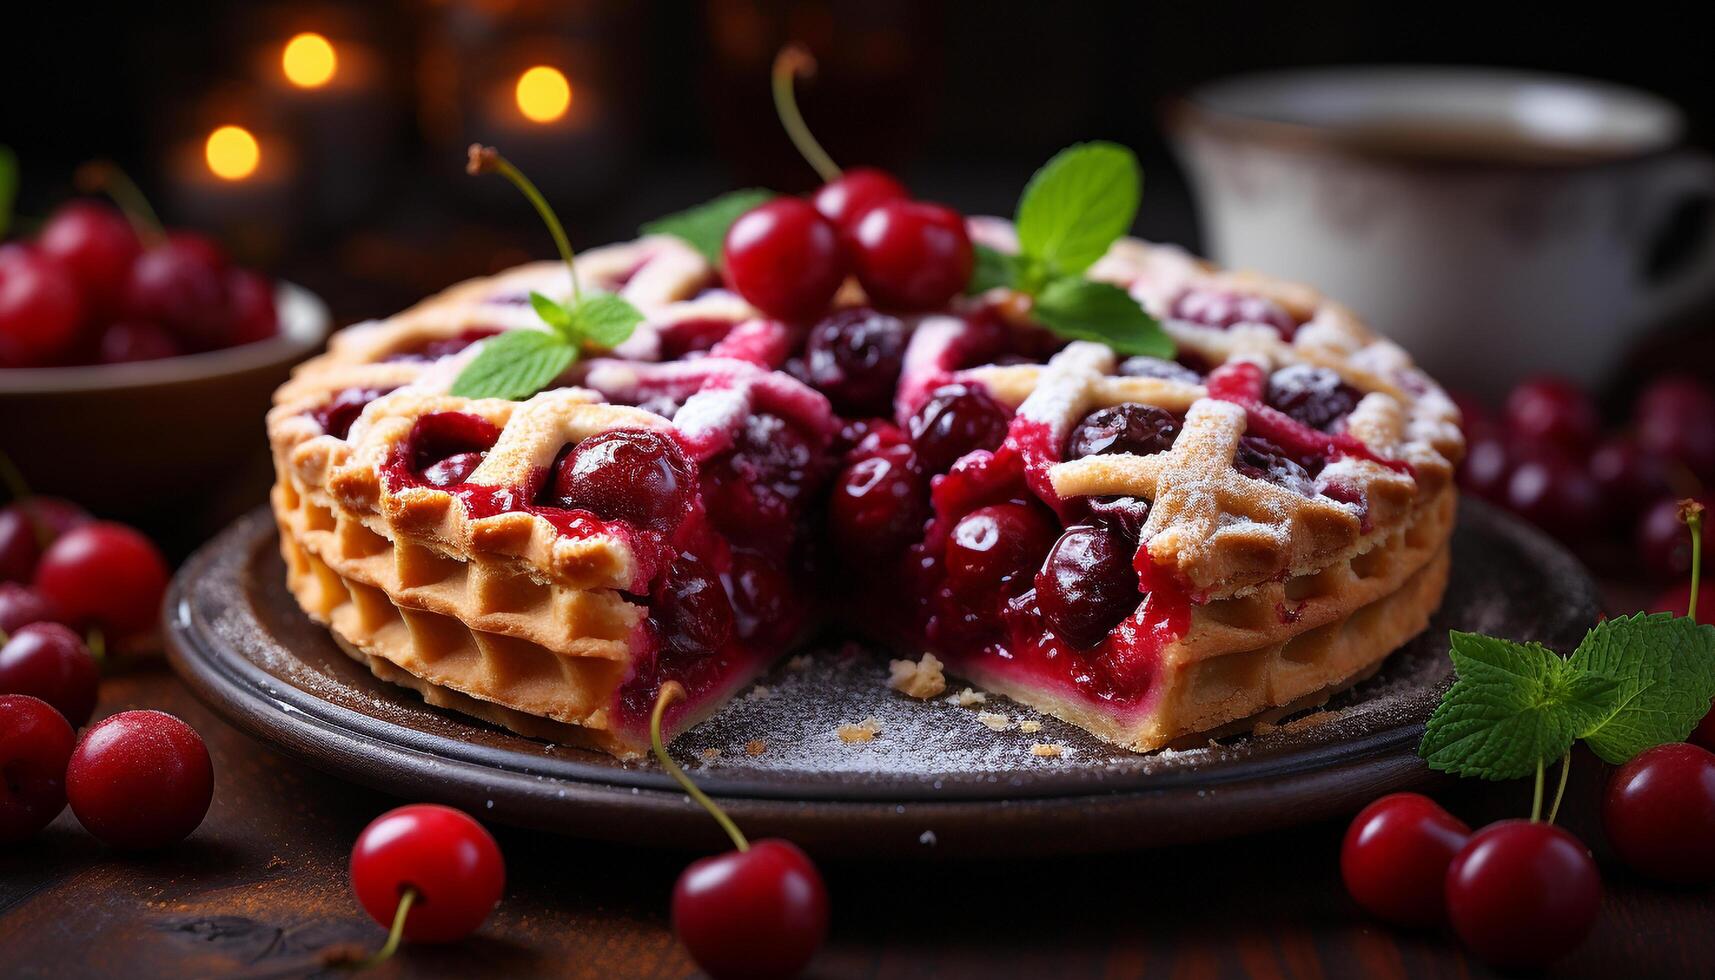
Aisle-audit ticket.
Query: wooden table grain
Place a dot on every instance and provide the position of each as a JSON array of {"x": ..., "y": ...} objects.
[{"x": 261, "y": 888}]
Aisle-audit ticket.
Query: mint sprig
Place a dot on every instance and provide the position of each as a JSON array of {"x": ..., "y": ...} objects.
[
  {"x": 1071, "y": 212},
  {"x": 519, "y": 363},
  {"x": 704, "y": 227},
  {"x": 1665, "y": 668}
]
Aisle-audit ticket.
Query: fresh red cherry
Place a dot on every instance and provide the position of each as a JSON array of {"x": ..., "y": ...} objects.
[
  {"x": 180, "y": 286},
  {"x": 848, "y": 197},
  {"x": 1672, "y": 417},
  {"x": 446, "y": 860},
  {"x": 35, "y": 744},
  {"x": 140, "y": 780},
  {"x": 879, "y": 503},
  {"x": 635, "y": 475},
  {"x": 23, "y": 527},
  {"x": 1087, "y": 584},
  {"x": 1664, "y": 542},
  {"x": 1659, "y": 814},
  {"x": 136, "y": 340},
  {"x": 1141, "y": 430},
  {"x": 1523, "y": 894},
  {"x": 1395, "y": 856},
  {"x": 96, "y": 245},
  {"x": 911, "y": 255},
  {"x": 255, "y": 315},
  {"x": 1315, "y": 396},
  {"x": 104, "y": 574},
  {"x": 48, "y": 661},
  {"x": 20, "y": 606},
  {"x": 784, "y": 258},
  {"x": 1487, "y": 467},
  {"x": 40, "y": 310},
  {"x": 994, "y": 551},
  {"x": 1553, "y": 411},
  {"x": 1554, "y": 492},
  {"x": 1628, "y": 477},
  {"x": 853, "y": 356},
  {"x": 956, "y": 419},
  {"x": 760, "y": 913}
]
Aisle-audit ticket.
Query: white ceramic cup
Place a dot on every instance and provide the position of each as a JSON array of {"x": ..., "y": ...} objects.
[{"x": 1496, "y": 223}]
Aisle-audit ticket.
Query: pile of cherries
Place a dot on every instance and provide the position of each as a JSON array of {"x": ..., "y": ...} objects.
[
  {"x": 1524, "y": 893},
  {"x": 136, "y": 780},
  {"x": 90, "y": 290},
  {"x": 1546, "y": 458}
]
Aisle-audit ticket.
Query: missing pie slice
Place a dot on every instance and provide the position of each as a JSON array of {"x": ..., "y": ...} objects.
[{"x": 1150, "y": 549}]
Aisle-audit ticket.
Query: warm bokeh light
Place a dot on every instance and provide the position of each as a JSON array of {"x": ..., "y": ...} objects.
[
  {"x": 232, "y": 153},
  {"x": 309, "y": 60},
  {"x": 543, "y": 94}
]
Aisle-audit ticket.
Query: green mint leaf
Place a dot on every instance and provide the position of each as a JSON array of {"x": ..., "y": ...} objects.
[
  {"x": 991, "y": 269},
  {"x": 1078, "y": 204},
  {"x": 8, "y": 187},
  {"x": 1513, "y": 706},
  {"x": 1665, "y": 666},
  {"x": 604, "y": 320},
  {"x": 515, "y": 365},
  {"x": 552, "y": 312},
  {"x": 704, "y": 226},
  {"x": 1085, "y": 310}
]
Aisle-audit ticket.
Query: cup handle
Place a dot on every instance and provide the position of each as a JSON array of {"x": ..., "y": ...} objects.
[{"x": 1674, "y": 182}]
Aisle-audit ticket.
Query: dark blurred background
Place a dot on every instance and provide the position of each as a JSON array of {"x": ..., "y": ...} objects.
[{"x": 359, "y": 192}]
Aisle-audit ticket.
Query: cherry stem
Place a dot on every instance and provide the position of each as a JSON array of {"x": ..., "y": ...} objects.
[
  {"x": 105, "y": 177},
  {"x": 486, "y": 160},
  {"x": 19, "y": 488},
  {"x": 670, "y": 692},
  {"x": 1560, "y": 791},
  {"x": 394, "y": 936},
  {"x": 1536, "y": 801},
  {"x": 1691, "y": 512},
  {"x": 793, "y": 61}
]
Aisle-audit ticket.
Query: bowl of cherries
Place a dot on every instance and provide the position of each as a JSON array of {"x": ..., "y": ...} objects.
[{"x": 147, "y": 350}]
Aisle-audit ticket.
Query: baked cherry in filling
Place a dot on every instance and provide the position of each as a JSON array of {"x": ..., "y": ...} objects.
[
  {"x": 444, "y": 447},
  {"x": 1141, "y": 430},
  {"x": 759, "y": 488},
  {"x": 879, "y": 503},
  {"x": 1222, "y": 309},
  {"x": 342, "y": 410},
  {"x": 1087, "y": 584},
  {"x": 434, "y": 350},
  {"x": 1314, "y": 396},
  {"x": 853, "y": 356},
  {"x": 993, "y": 551},
  {"x": 637, "y": 476},
  {"x": 957, "y": 419},
  {"x": 1141, "y": 366}
]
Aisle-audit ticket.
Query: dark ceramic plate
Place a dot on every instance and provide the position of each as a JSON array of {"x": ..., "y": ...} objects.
[{"x": 935, "y": 780}]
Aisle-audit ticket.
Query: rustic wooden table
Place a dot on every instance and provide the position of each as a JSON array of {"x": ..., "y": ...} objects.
[{"x": 261, "y": 887}]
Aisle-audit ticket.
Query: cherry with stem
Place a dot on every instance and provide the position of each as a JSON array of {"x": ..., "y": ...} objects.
[
  {"x": 105, "y": 177},
  {"x": 793, "y": 62},
  {"x": 487, "y": 160}
]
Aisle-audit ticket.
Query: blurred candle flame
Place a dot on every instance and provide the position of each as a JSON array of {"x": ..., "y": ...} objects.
[
  {"x": 543, "y": 94},
  {"x": 309, "y": 60},
  {"x": 232, "y": 153}
]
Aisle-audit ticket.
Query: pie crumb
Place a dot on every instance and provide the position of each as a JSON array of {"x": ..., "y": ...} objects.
[
  {"x": 1311, "y": 720},
  {"x": 863, "y": 731},
  {"x": 799, "y": 662},
  {"x": 995, "y": 723},
  {"x": 711, "y": 753},
  {"x": 759, "y": 693},
  {"x": 967, "y": 698},
  {"x": 755, "y": 747},
  {"x": 922, "y": 680},
  {"x": 1029, "y": 726},
  {"x": 1046, "y": 750}
]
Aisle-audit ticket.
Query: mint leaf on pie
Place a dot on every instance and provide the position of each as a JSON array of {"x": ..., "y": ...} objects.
[
  {"x": 553, "y": 313},
  {"x": 1513, "y": 706},
  {"x": 1077, "y": 205},
  {"x": 1086, "y": 310},
  {"x": 704, "y": 227},
  {"x": 1665, "y": 666},
  {"x": 990, "y": 269},
  {"x": 604, "y": 320},
  {"x": 515, "y": 364}
]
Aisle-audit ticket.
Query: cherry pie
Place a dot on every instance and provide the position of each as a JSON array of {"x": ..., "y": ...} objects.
[{"x": 1150, "y": 549}]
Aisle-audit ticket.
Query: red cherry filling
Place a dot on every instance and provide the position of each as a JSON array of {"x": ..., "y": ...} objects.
[
  {"x": 337, "y": 416},
  {"x": 1222, "y": 309},
  {"x": 1126, "y": 515},
  {"x": 444, "y": 447},
  {"x": 784, "y": 258},
  {"x": 853, "y": 356},
  {"x": 993, "y": 551},
  {"x": 879, "y": 503},
  {"x": 1314, "y": 396},
  {"x": 758, "y": 489},
  {"x": 1087, "y": 584},
  {"x": 849, "y": 196},
  {"x": 1260, "y": 459},
  {"x": 1154, "y": 367},
  {"x": 766, "y": 608},
  {"x": 1126, "y": 428},
  {"x": 685, "y": 338},
  {"x": 957, "y": 419},
  {"x": 911, "y": 255},
  {"x": 634, "y": 475},
  {"x": 691, "y": 608},
  {"x": 434, "y": 350}
]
